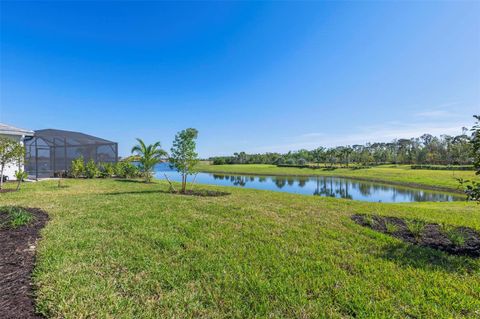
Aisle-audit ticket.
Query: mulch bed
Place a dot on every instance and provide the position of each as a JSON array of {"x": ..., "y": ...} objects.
[
  {"x": 432, "y": 235},
  {"x": 202, "y": 193},
  {"x": 17, "y": 259}
]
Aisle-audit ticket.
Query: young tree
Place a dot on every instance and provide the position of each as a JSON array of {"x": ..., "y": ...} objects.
[
  {"x": 21, "y": 176},
  {"x": 473, "y": 189},
  {"x": 148, "y": 156},
  {"x": 10, "y": 151},
  {"x": 183, "y": 156}
]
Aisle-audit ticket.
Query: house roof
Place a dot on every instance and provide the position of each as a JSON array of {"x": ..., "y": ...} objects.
[
  {"x": 11, "y": 130},
  {"x": 59, "y": 137}
]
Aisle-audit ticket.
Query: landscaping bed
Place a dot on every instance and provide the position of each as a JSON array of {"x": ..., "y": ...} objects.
[
  {"x": 454, "y": 240},
  {"x": 19, "y": 232},
  {"x": 201, "y": 192}
]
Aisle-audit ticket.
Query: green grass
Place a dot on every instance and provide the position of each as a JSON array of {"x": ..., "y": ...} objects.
[
  {"x": 401, "y": 174},
  {"x": 15, "y": 217},
  {"x": 116, "y": 249}
]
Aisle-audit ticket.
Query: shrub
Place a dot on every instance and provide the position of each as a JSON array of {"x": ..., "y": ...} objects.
[
  {"x": 219, "y": 161},
  {"x": 444, "y": 167},
  {"x": 91, "y": 169},
  {"x": 126, "y": 170},
  {"x": 290, "y": 161},
  {"x": 107, "y": 170},
  {"x": 302, "y": 162},
  {"x": 77, "y": 168}
]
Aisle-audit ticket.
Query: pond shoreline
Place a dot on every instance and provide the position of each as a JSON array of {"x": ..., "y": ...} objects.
[{"x": 366, "y": 179}]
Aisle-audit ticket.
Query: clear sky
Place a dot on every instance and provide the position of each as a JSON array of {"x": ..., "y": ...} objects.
[{"x": 250, "y": 76}]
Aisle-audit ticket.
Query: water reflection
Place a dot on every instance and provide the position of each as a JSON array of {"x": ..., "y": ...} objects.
[{"x": 320, "y": 186}]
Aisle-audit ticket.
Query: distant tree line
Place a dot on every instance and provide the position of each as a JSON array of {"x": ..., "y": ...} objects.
[{"x": 424, "y": 150}]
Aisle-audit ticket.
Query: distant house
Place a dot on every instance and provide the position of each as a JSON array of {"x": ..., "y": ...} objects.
[{"x": 16, "y": 134}]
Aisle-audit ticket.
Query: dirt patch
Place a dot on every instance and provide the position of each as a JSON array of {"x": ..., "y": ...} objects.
[
  {"x": 202, "y": 193},
  {"x": 7, "y": 190},
  {"x": 17, "y": 258},
  {"x": 454, "y": 240}
]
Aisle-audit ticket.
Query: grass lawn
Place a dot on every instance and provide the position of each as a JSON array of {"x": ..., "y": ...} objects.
[
  {"x": 125, "y": 249},
  {"x": 401, "y": 174}
]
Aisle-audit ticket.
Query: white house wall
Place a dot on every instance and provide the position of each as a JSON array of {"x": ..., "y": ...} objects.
[{"x": 11, "y": 168}]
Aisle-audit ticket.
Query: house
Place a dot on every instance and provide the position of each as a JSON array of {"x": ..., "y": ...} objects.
[
  {"x": 50, "y": 152},
  {"x": 19, "y": 135}
]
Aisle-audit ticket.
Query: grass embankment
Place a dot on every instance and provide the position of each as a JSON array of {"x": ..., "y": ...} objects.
[
  {"x": 124, "y": 249},
  {"x": 401, "y": 175}
]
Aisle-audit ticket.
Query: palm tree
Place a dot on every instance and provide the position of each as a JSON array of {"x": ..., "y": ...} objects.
[{"x": 149, "y": 155}]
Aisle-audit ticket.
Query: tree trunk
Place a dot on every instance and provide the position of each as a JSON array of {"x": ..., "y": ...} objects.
[
  {"x": 18, "y": 184},
  {"x": 184, "y": 182},
  {"x": 1, "y": 176}
]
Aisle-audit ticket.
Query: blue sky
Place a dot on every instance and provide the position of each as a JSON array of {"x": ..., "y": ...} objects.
[{"x": 250, "y": 76}]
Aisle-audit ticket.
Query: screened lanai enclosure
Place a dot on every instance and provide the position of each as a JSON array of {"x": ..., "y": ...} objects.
[{"x": 49, "y": 153}]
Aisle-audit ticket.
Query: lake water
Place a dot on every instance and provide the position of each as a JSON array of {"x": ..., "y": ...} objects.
[{"x": 338, "y": 187}]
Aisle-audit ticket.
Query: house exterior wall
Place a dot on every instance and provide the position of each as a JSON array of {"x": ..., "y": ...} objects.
[{"x": 11, "y": 168}]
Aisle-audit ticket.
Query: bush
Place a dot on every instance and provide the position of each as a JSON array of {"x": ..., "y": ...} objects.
[
  {"x": 297, "y": 166},
  {"x": 302, "y": 162},
  {"x": 444, "y": 167},
  {"x": 126, "y": 170},
  {"x": 471, "y": 189},
  {"x": 91, "y": 169},
  {"x": 77, "y": 168},
  {"x": 290, "y": 161},
  {"x": 107, "y": 170},
  {"x": 219, "y": 161}
]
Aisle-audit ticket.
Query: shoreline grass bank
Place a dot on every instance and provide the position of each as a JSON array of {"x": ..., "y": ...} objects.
[{"x": 401, "y": 175}]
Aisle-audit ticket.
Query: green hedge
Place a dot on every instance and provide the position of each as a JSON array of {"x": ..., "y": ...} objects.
[
  {"x": 445, "y": 167},
  {"x": 352, "y": 166}
]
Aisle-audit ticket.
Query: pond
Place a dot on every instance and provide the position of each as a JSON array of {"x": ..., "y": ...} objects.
[{"x": 338, "y": 187}]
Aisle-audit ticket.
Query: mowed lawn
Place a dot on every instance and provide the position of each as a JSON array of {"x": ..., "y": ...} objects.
[
  {"x": 125, "y": 249},
  {"x": 395, "y": 174}
]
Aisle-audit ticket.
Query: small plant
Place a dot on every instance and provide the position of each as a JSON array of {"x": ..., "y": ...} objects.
[
  {"x": 91, "y": 169},
  {"x": 61, "y": 183},
  {"x": 77, "y": 168},
  {"x": 391, "y": 227},
  {"x": 415, "y": 227},
  {"x": 16, "y": 216},
  {"x": 456, "y": 237},
  {"x": 21, "y": 176},
  {"x": 369, "y": 220}
]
